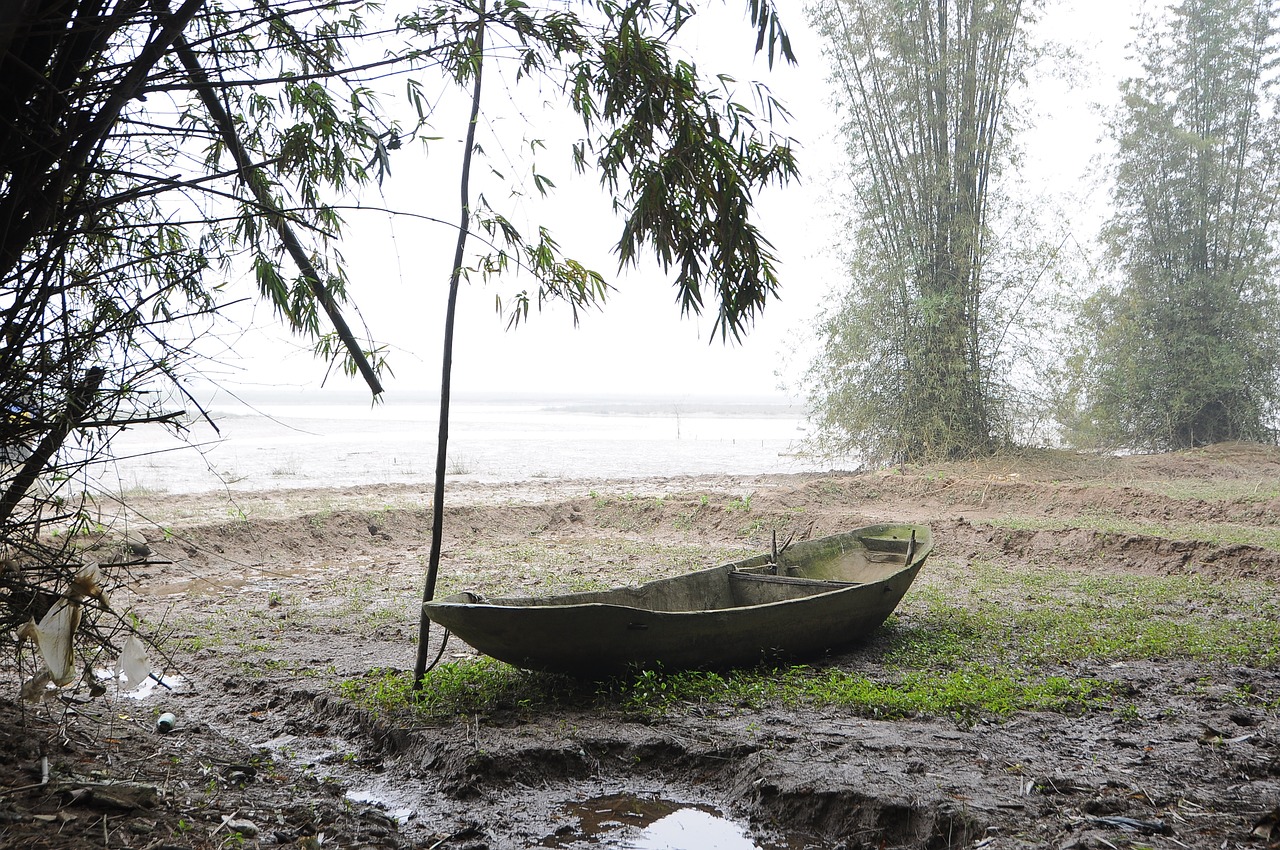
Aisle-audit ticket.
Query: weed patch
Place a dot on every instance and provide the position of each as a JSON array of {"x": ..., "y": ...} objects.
[
  {"x": 459, "y": 688},
  {"x": 1005, "y": 618}
]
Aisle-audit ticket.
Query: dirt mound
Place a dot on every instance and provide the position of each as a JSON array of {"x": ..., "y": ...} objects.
[
  {"x": 1110, "y": 552},
  {"x": 1233, "y": 460}
]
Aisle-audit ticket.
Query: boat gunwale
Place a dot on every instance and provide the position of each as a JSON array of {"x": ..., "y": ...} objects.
[{"x": 497, "y": 604}]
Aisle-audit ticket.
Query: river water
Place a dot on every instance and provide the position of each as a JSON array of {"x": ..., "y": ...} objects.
[{"x": 288, "y": 441}]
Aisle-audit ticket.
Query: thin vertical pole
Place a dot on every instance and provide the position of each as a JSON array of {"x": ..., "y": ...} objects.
[{"x": 442, "y": 442}]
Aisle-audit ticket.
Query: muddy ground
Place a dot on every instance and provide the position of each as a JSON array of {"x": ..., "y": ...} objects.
[{"x": 267, "y": 601}]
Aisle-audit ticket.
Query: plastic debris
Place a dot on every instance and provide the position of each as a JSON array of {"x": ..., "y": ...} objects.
[
  {"x": 132, "y": 665},
  {"x": 36, "y": 688},
  {"x": 53, "y": 637},
  {"x": 1145, "y": 827},
  {"x": 88, "y": 584}
]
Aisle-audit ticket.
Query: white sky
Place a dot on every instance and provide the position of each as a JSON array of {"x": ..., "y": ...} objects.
[{"x": 638, "y": 344}]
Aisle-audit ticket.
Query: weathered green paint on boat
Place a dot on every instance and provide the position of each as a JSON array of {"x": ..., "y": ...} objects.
[{"x": 824, "y": 594}]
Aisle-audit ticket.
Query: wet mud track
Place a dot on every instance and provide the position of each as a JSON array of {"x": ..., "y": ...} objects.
[{"x": 1177, "y": 772}]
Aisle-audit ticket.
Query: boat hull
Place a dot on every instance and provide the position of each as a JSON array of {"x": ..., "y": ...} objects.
[{"x": 822, "y": 595}]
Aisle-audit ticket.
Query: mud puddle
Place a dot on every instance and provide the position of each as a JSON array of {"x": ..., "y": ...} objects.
[{"x": 650, "y": 822}]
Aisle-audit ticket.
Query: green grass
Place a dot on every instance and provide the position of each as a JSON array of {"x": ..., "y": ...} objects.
[
  {"x": 975, "y": 641},
  {"x": 1046, "y": 617},
  {"x": 458, "y": 688},
  {"x": 960, "y": 693},
  {"x": 1249, "y": 491},
  {"x": 196, "y": 642},
  {"x": 484, "y": 686},
  {"x": 1261, "y": 534}
]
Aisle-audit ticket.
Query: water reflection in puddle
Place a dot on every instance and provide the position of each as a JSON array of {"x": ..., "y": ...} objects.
[
  {"x": 167, "y": 684},
  {"x": 633, "y": 822},
  {"x": 686, "y": 829}
]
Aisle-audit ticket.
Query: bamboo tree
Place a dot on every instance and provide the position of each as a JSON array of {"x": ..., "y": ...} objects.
[
  {"x": 474, "y": 68},
  {"x": 906, "y": 367},
  {"x": 120, "y": 223},
  {"x": 1184, "y": 348}
]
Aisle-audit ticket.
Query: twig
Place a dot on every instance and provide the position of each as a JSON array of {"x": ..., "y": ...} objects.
[
  {"x": 459, "y": 833},
  {"x": 226, "y": 819},
  {"x": 31, "y": 787}
]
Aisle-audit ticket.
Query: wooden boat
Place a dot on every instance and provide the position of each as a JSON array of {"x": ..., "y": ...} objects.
[{"x": 812, "y": 597}]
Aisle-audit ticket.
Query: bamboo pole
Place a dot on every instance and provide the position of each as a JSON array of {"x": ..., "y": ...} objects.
[{"x": 446, "y": 376}]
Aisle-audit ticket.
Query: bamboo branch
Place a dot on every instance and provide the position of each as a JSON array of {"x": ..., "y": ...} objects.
[
  {"x": 32, "y": 207},
  {"x": 78, "y": 400},
  {"x": 253, "y": 179}
]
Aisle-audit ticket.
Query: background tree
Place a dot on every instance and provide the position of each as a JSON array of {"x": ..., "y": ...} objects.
[
  {"x": 905, "y": 371},
  {"x": 1184, "y": 349},
  {"x": 151, "y": 153}
]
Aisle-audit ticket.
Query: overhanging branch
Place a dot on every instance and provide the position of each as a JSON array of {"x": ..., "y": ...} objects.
[{"x": 257, "y": 185}]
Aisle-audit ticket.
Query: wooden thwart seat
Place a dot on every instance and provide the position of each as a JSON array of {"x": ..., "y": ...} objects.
[{"x": 752, "y": 588}]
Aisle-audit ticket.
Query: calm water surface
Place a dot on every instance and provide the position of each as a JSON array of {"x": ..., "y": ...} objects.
[{"x": 287, "y": 443}]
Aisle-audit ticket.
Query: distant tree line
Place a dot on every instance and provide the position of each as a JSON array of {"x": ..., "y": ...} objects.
[{"x": 1178, "y": 346}]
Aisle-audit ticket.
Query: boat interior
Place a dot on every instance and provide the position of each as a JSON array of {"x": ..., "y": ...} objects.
[{"x": 799, "y": 571}]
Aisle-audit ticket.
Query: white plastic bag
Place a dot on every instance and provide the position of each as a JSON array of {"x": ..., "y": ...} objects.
[{"x": 132, "y": 665}]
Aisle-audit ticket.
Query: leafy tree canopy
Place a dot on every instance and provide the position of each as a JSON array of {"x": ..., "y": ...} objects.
[{"x": 1184, "y": 349}]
